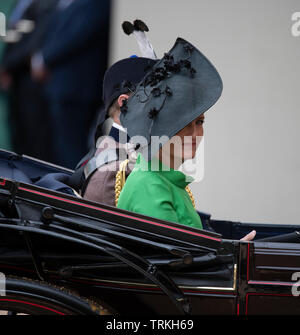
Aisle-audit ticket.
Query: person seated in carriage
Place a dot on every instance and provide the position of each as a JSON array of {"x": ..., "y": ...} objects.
[
  {"x": 113, "y": 147},
  {"x": 100, "y": 174},
  {"x": 168, "y": 101},
  {"x": 166, "y": 108}
]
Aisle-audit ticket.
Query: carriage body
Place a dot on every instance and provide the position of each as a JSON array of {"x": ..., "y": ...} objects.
[{"x": 131, "y": 264}]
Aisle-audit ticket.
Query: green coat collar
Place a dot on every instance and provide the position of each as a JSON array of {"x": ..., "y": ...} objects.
[{"x": 176, "y": 177}]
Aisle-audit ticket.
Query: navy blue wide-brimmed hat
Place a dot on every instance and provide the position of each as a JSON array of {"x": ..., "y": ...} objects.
[
  {"x": 179, "y": 88},
  {"x": 123, "y": 76}
]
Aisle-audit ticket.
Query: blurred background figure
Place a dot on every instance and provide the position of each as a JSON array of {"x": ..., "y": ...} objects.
[
  {"x": 26, "y": 28},
  {"x": 54, "y": 58},
  {"x": 5, "y": 136},
  {"x": 71, "y": 63}
]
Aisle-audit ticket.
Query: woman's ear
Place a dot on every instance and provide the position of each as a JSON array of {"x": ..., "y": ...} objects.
[{"x": 121, "y": 98}]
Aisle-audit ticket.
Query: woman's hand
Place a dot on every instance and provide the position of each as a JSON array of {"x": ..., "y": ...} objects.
[{"x": 249, "y": 237}]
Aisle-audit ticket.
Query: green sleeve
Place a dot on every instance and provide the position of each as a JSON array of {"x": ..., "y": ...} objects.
[{"x": 148, "y": 197}]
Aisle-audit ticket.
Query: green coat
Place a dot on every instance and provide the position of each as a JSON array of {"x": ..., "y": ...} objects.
[{"x": 160, "y": 194}]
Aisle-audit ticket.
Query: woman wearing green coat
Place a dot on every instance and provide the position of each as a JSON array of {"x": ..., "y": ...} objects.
[{"x": 164, "y": 118}]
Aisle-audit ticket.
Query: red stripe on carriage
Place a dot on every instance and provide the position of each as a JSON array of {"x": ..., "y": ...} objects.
[
  {"x": 2, "y": 182},
  {"x": 259, "y": 282},
  {"x": 119, "y": 214},
  {"x": 32, "y": 304}
]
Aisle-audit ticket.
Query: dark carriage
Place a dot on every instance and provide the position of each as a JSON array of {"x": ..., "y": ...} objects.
[{"x": 61, "y": 254}]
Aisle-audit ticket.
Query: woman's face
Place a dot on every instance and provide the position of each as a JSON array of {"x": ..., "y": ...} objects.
[
  {"x": 191, "y": 136},
  {"x": 184, "y": 144}
]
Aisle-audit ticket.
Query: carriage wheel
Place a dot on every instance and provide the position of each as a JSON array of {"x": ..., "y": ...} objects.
[{"x": 25, "y": 296}]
